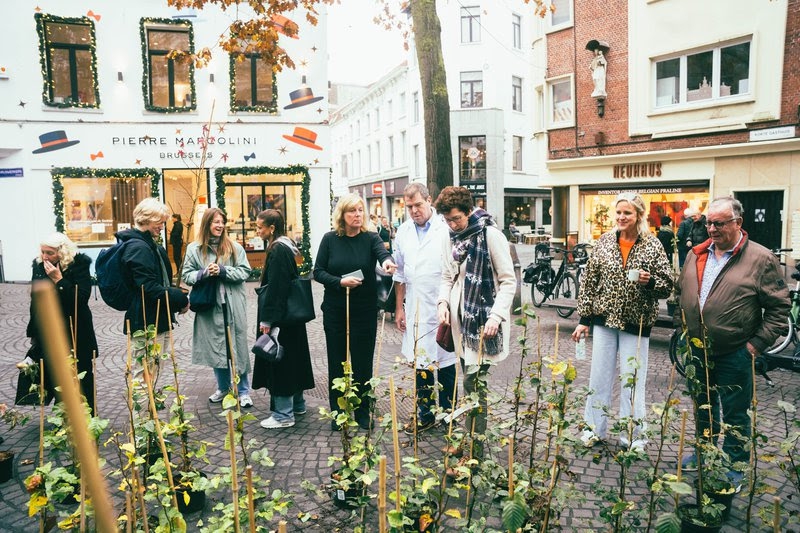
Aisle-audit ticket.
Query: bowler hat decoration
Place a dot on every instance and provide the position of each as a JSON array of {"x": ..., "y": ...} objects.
[
  {"x": 302, "y": 96},
  {"x": 304, "y": 137},
  {"x": 54, "y": 140}
]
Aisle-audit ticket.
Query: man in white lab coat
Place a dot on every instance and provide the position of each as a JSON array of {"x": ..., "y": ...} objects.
[{"x": 419, "y": 246}]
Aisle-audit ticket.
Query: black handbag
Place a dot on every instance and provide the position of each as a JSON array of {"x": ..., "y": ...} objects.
[
  {"x": 386, "y": 296},
  {"x": 204, "y": 294},
  {"x": 299, "y": 302},
  {"x": 268, "y": 348}
]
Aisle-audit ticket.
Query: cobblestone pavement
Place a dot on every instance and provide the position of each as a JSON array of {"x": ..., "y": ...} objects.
[{"x": 301, "y": 452}]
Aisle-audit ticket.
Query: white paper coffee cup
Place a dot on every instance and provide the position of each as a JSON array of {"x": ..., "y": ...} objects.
[{"x": 633, "y": 274}]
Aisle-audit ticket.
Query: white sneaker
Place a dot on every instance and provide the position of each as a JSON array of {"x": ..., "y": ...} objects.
[
  {"x": 245, "y": 401},
  {"x": 271, "y": 423},
  {"x": 217, "y": 397},
  {"x": 589, "y": 439}
]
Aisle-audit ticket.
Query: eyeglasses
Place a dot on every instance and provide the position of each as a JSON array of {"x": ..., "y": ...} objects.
[{"x": 719, "y": 224}]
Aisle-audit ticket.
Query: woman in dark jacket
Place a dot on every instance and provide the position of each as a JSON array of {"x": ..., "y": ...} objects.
[
  {"x": 61, "y": 264},
  {"x": 147, "y": 266},
  {"x": 287, "y": 379},
  {"x": 346, "y": 259}
]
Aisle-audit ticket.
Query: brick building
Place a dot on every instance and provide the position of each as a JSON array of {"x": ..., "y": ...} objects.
[{"x": 700, "y": 100}]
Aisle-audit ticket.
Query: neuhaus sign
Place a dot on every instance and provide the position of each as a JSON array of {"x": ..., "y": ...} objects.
[
  {"x": 182, "y": 147},
  {"x": 638, "y": 170}
]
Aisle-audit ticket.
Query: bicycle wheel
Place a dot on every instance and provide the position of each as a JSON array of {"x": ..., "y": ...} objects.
[
  {"x": 787, "y": 336},
  {"x": 540, "y": 286},
  {"x": 677, "y": 351},
  {"x": 568, "y": 288}
]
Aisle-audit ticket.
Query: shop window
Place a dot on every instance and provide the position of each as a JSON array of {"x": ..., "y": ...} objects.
[
  {"x": 186, "y": 193},
  {"x": 560, "y": 15},
  {"x": 253, "y": 87},
  {"x": 377, "y": 156},
  {"x": 517, "y": 153},
  {"x": 98, "y": 203},
  {"x": 403, "y": 142},
  {"x": 345, "y": 173},
  {"x": 472, "y": 89},
  {"x": 562, "y": 104},
  {"x": 470, "y": 24},
  {"x": 69, "y": 61},
  {"x": 472, "y": 164},
  {"x": 516, "y": 93},
  {"x": 169, "y": 71},
  {"x": 714, "y": 74},
  {"x": 516, "y": 31}
]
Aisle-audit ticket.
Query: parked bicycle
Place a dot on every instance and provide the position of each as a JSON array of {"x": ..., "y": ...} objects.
[
  {"x": 773, "y": 357},
  {"x": 546, "y": 282}
]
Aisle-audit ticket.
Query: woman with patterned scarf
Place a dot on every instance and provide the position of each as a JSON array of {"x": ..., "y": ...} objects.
[{"x": 478, "y": 286}]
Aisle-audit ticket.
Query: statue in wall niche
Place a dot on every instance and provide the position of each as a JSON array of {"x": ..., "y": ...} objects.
[{"x": 598, "y": 68}]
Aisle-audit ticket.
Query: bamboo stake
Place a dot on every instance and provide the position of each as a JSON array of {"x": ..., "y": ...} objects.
[
  {"x": 511, "y": 467},
  {"x": 128, "y": 513},
  {"x": 234, "y": 479},
  {"x": 55, "y": 343},
  {"x": 234, "y": 372},
  {"x": 282, "y": 526},
  {"x": 376, "y": 364},
  {"x": 154, "y": 413},
  {"x": 395, "y": 442},
  {"x": 83, "y": 505},
  {"x": 382, "y": 494},
  {"x": 140, "y": 496},
  {"x": 347, "y": 325},
  {"x": 681, "y": 442},
  {"x": 251, "y": 511},
  {"x": 43, "y": 512},
  {"x": 776, "y": 514},
  {"x": 414, "y": 381},
  {"x": 94, "y": 383}
]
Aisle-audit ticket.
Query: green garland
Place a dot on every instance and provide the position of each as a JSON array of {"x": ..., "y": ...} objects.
[
  {"x": 48, "y": 84},
  {"x": 59, "y": 174},
  {"x": 146, "y": 71},
  {"x": 305, "y": 199},
  {"x": 271, "y": 108}
]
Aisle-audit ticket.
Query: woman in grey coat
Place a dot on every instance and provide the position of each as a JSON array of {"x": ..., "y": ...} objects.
[{"x": 215, "y": 257}]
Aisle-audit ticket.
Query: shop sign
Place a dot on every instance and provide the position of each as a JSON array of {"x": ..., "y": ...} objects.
[
  {"x": 653, "y": 190},
  {"x": 476, "y": 187},
  {"x": 377, "y": 188},
  {"x": 638, "y": 170},
  {"x": 769, "y": 134},
  {"x": 11, "y": 173}
]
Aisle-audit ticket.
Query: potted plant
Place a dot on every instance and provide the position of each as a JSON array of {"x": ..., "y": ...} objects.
[
  {"x": 418, "y": 508},
  {"x": 12, "y": 418}
]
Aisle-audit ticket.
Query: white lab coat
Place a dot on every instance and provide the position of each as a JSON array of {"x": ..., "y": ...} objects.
[{"x": 419, "y": 268}]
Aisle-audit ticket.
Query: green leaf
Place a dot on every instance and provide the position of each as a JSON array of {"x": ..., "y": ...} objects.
[
  {"x": 395, "y": 519},
  {"x": 515, "y": 512},
  {"x": 679, "y": 487},
  {"x": 228, "y": 402},
  {"x": 668, "y": 523}
]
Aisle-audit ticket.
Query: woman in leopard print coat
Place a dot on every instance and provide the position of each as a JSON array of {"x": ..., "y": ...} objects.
[{"x": 617, "y": 306}]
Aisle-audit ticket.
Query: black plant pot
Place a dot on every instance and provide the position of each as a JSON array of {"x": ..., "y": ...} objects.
[
  {"x": 346, "y": 498},
  {"x": 671, "y": 308},
  {"x": 687, "y": 526},
  {"x": 722, "y": 498},
  {"x": 6, "y": 465},
  {"x": 197, "y": 498},
  {"x": 73, "y": 497}
]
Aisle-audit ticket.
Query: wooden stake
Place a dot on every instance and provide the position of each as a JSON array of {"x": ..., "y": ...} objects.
[
  {"x": 42, "y": 395},
  {"x": 414, "y": 381},
  {"x": 234, "y": 479},
  {"x": 347, "y": 326},
  {"x": 234, "y": 372},
  {"x": 395, "y": 442},
  {"x": 251, "y": 511},
  {"x": 55, "y": 348},
  {"x": 282, "y": 526},
  {"x": 776, "y": 514},
  {"x": 140, "y": 497},
  {"x": 681, "y": 442},
  {"x": 128, "y": 513},
  {"x": 94, "y": 383},
  {"x": 382, "y": 494},
  {"x": 511, "y": 467}
]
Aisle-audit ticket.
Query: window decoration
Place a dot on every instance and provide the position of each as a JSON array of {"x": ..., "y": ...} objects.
[
  {"x": 305, "y": 199},
  {"x": 253, "y": 85},
  {"x": 68, "y": 60},
  {"x": 94, "y": 218},
  {"x": 176, "y": 91}
]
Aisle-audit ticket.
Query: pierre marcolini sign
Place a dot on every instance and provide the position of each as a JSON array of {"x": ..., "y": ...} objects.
[{"x": 182, "y": 141}]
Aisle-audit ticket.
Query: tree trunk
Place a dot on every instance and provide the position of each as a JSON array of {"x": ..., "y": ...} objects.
[{"x": 435, "y": 103}]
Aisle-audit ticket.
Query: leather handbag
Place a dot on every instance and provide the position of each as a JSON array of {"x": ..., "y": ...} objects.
[
  {"x": 204, "y": 294},
  {"x": 268, "y": 348},
  {"x": 299, "y": 302},
  {"x": 444, "y": 338}
]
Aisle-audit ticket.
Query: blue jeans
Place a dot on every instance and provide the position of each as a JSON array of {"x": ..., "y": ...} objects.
[
  {"x": 223, "y": 376},
  {"x": 731, "y": 383},
  {"x": 284, "y": 407}
]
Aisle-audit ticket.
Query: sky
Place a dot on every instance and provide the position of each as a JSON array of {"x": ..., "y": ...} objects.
[{"x": 359, "y": 51}]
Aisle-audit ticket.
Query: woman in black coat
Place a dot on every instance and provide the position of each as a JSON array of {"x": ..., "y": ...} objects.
[
  {"x": 287, "y": 379},
  {"x": 346, "y": 259},
  {"x": 61, "y": 264}
]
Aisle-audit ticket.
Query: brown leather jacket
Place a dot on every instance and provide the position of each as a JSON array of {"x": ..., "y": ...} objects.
[{"x": 748, "y": 302}]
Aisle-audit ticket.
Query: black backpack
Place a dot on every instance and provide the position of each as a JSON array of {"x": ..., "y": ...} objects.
[{"x": 111, "y": 277}]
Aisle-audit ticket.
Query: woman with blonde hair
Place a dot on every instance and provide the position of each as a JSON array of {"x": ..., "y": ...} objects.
[
  {"x": 216, "y": 258},
  {"x": 626, "y": 275},
  {"x": 60, "y": 263},
  {"x": 346, "y": 259}
]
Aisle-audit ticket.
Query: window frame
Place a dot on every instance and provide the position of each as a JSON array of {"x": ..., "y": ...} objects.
[
  {"x": 551, "y": 83},
  {"x": 516, "y": 31},
  {"x": 415, "y": 103},
  {"x": 715, "y": 98},
  {"x": 517, "y": 145},
  {"x": 473, "y": 22},
  {"x": 48, "y": 99},
  {"x": 472, "y": 91},
  {"x": 169, "y": 25},
  {"x": 516, "y": 94},
  {"x": 561, "y": 25},
  {"x": 253, "y": 58}
]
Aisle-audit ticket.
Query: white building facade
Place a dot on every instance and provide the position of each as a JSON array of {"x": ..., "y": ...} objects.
[
  {"x": 111, "y": 117},
  {"x": 491, "y": 79}
]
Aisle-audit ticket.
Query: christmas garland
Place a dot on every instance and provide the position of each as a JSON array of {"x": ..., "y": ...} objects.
[
  {"x": 271, "y": 108},
  {"x": 59, "y": 174},
  {"x": 305, "y": 199},
  {"x": 146, "y": 71},
  {"x": 47, "y": 82}
]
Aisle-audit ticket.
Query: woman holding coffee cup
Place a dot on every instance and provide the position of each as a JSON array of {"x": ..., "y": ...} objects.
[{"x": 626, "y": 275}]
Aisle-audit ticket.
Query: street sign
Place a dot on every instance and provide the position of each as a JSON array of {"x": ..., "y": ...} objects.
[{"x": 377, "y": 188}]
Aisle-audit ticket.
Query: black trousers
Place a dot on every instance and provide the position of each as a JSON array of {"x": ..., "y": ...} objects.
[
  {"x": 426, "y": 387},
  {"x": 362, "y": 350}
]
